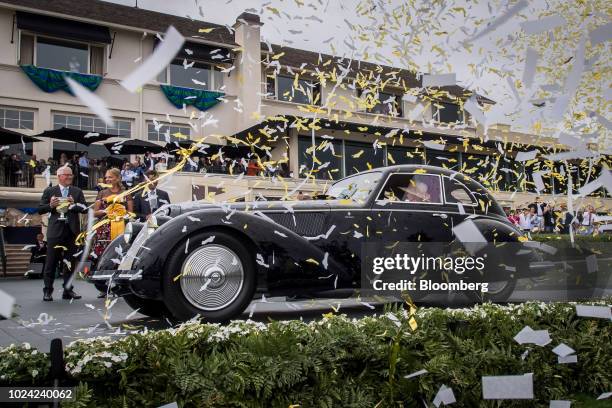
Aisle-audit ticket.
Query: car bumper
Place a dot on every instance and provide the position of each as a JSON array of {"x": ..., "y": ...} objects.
[{"x": 116, "y": 275}]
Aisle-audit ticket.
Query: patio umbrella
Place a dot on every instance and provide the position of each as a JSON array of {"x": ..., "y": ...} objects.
[
  {"x": 172, "y": 146},
  {"x": 74, "y": 135},
  {"x": 133, "y": 146},
  {"x": 8, "y": 137}
]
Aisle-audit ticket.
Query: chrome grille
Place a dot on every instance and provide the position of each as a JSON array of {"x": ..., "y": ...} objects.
[{"x": 305, "y": 224}]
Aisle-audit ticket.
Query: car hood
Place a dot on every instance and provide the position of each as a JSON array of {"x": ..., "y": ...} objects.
[{"x": 174, "y": 210}]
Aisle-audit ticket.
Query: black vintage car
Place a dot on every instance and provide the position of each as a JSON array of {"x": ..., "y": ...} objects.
[{"x": 213, "y": 259}]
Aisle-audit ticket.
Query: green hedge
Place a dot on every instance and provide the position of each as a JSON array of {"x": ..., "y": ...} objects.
[
  {"x": 332, "y": 362},
  {"x": 577, "y": 238}
]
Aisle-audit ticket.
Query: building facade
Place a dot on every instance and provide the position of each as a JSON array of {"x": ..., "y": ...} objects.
[{"x": 226, "y": 85}]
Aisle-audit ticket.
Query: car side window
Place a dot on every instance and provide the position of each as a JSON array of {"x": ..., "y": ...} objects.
[
  {"x": 413, "y": 188},
  {"x": 455, "y": 192}
]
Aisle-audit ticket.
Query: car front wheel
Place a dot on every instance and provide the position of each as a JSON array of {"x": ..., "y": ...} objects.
[{"x": 214, "y": 277}]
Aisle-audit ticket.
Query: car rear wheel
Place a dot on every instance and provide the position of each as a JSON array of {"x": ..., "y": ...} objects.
[
  {"x": 215, "y": 280},
  {"x": 497, "y": 292}
]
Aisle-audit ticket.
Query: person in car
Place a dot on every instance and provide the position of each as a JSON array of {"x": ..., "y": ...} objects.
[{"x": 416, "y": 192}]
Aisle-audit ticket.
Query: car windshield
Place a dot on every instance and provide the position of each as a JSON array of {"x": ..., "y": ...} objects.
[{"x": 356, "y": 188}]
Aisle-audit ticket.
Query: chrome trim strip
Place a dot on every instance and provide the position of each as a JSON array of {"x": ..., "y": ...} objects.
[
  {"x": 100, "y": 277},
  {"x": 130, "y": 276}
]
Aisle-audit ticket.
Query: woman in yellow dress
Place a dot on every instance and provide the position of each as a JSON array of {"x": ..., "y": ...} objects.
[{"x": 114, "y": 211}]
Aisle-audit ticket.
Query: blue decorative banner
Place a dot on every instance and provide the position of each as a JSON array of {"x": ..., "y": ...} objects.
[
  {"x": 51, "y": 80},
  {"x": 201, "y": 99}
]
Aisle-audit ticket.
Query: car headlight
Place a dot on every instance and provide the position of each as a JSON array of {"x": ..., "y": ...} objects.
[
  {"x": 152, "y": 224},
  {"x": 127, "y": 232}
]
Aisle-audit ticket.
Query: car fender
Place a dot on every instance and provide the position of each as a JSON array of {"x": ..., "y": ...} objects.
[
  {"x": 268, "y": 240},
  {"x": 495, "y": 230}
]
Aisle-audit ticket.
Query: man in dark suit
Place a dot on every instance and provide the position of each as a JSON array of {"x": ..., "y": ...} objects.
[
  {"x": 61, "y": 234},
  {"x": 147, "y": 203},
  {"x": 565, "y": 219}
]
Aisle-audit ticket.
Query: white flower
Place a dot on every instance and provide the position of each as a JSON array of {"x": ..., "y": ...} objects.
[{"x": 34, "y": 373}]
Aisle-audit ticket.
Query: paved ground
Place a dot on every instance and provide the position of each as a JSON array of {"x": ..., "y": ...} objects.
[{"x": 38, "y": 322}]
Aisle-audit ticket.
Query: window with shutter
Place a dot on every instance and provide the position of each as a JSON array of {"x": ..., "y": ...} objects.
[
  {"x": 96, "y": 60},
  {"x": 26, "y": 49}
]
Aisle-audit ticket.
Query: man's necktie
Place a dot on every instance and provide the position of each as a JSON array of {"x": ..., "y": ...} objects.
[{"x": 64, "y": 192}]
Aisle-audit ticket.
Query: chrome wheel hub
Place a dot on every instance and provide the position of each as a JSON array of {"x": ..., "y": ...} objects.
[{"x": 212, "y": 277}]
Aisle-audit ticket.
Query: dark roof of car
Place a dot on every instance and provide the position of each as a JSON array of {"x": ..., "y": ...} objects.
[
  {"x": 411, "y": 167},
  {"x": 130, "y": 16}
]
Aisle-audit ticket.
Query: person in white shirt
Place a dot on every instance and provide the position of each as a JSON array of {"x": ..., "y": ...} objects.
[
  {"x": 525, "y": 220},
  {"x": 535, "y": 220},
  {"x": 84, "y": 161},
  {"x": 83, "y": 171},
  {"x": 161, "y": 166},
  {"x": 128, "y": 175},
  {"x": 588, "y": 218}
]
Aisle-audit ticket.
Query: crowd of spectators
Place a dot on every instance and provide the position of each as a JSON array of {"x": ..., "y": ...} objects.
[
  {"x": 541, "y": 217},
  {"x": 19, "y": 170}
]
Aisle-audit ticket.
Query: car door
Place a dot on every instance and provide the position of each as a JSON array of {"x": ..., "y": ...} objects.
[{"x": 410, "y": 208}]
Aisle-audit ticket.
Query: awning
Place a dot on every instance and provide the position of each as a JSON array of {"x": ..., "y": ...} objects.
[
  {"x": 63, "y": 28},
  {"x": 203, "y": 52}
]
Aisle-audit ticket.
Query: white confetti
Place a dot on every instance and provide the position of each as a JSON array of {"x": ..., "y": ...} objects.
[
  {"x": 434, "y": 145},
  {"x": 366, "y": 304},
  {"x": 544, "y": 24},
  {"x": 470, "y": 236},
  {"x": 600, "y": 312},
  {"x": 531, "y": 60},
  {"x": 157, "y": 62},
  {"x": 605, "y": 395},
  {"x": 508, "y": 386},
  {"x": 280, "y": 234},
  {"x": 131, "y": 314},
  {"x": 538, "y": 181},
  {"x": 416, "y": 373},
  {"x": 567, "y": 359},
  {"x": 170, "y": 405},
  {"x": 600, "y": 34},
  {"x": 560, "y": 404},
  {"x": 591, "y": 263},
  {"x": 501, "y": 19},
  {"x": 474, "y": 109},
  {"x": 444, "y": 396},
  {"x": 526, "y": 156},
  {"x": 529, "y": 336},
  {"x": 7, "y": 303},
  {"x": 563, "y": 350},
  {"x": 208, "y": 240},
  {"x": 430, "y": 81},
  {"x": 91, "y": 100}
]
